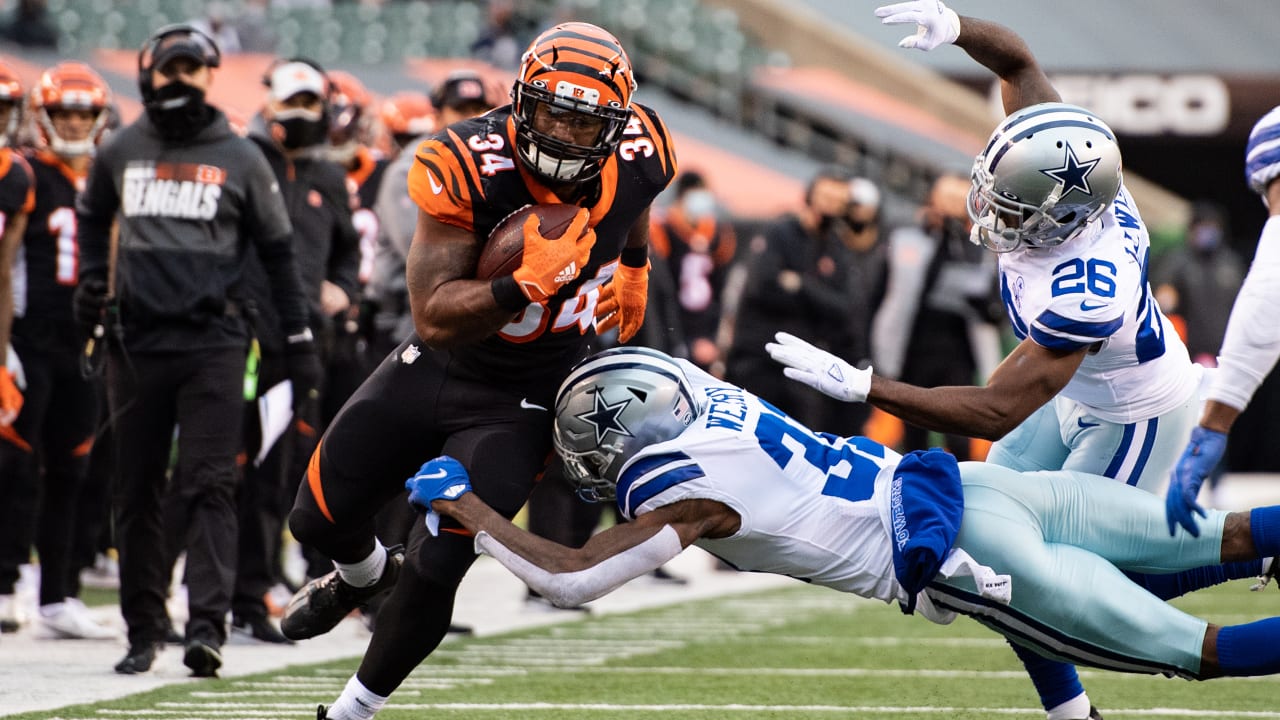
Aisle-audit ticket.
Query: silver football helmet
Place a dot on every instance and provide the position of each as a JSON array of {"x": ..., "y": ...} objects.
[
  {"x": 612, "y": 406},
  {"x": 1047, "y": 171}
]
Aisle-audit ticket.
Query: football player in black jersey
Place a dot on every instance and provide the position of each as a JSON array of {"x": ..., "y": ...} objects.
[
  {"x": 479, "y": 375},
  {"x": 69, "y": 108},
  {"x": 17, "y": 199}
]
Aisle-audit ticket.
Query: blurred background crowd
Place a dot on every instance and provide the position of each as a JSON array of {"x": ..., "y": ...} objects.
[{"x": 821, "y": 191}]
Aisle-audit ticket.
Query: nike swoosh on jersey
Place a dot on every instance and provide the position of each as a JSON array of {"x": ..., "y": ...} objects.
[
  {"x": 1087, "y": 306},
  {"x": 1083, "y": 424},
  {"x": 524, "y": 403},
  {"x": 436, "y": 187}
]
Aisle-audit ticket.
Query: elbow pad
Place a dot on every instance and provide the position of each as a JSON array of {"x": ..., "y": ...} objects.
[
  {"x": 571, "y": 589},
  {"x": 1252, "y": 342}
]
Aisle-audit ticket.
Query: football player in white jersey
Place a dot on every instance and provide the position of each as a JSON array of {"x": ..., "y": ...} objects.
[
  {"x": 693, "y": 460},
  {"x": 1100, "y": 382},
  {"x": 1252, "y": 343}
]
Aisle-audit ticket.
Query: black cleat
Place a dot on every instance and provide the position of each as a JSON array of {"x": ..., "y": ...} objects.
[
  {"x": 322, "y": 603},
  {"x": 258, "y": 627},
  {"x": 203, "y": 656},
  {"x": 1094, "y": 714},
  {"x": 139, "y": 658},
  {"x": 321, "y": 712}
]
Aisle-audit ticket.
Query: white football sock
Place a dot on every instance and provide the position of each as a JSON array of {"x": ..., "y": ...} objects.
[
  {"x": 367, "y": 571},
  {"x": 1077, "y": 708},
  {"x": 356, "y": 702}
]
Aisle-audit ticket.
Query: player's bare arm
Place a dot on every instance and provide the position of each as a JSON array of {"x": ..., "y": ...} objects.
[
  {"x": 449, "y": 307},
  {"x": 1003, "y": 52},
  {"x": 569, "y": 577},
  {"x": 1028, "y": 378},
  {"x": 691, "y": 519}
]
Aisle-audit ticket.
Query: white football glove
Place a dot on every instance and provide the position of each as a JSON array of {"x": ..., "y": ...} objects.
[
  {"x": 819, "y": 369},
  {"x": 936, "y": 24}
]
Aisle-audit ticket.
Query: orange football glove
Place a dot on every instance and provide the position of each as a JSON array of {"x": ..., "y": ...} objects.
[
  {"x": 548, "y": 265},
  {"x": 622, "y": 301},
  {"x": 10, "y": 397}
]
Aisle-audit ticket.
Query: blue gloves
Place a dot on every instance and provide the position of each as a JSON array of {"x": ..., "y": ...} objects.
[
  {"x": 442, "y": 478},
  {"x": 1198, "y": 460}
]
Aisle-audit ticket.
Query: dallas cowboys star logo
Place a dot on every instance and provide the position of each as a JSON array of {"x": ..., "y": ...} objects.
[
  {"x": 1074, "y": 175},
  {"x": 604, "y": 417}
]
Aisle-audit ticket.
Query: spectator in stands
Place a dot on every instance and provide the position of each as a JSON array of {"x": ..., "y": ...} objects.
[
  {"x": 499, "y": 42},
  {"x": 178, "y": 340},
  {"x": 936, "y": 324},
  {"x": 31, "y": 25},
  {"x": 697, "y": 246},
  {"x": 254, "y": 29},
  {"x": 214, "y": 24},
  {"x": 796, "y": 280},
  {"x": 292, "y": 131}
]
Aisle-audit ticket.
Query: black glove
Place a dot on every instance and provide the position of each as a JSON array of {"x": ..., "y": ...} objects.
[
  {"x": 89, "y": 304},
  {"x": 305, "y": 370}
]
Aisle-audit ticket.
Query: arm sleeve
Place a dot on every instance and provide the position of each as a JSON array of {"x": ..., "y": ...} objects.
[
  {"x": 95, "y": 209},
  {"x": 1252, "y": 342},
  {"x": 571, "y": 589}
]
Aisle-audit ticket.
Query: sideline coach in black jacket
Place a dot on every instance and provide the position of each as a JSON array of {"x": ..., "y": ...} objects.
[{"x": 192, "y": 199}]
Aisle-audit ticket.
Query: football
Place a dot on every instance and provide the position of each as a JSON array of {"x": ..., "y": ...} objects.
[{"x": 504, "y": 250}]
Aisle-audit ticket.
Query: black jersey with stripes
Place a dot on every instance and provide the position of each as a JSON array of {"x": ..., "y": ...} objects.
[{"x": 50, "y": 257}]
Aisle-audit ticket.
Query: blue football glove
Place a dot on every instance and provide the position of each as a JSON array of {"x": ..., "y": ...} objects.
[
  {"x": 1197, "y": 462},
  {"x": 442, "y": 478}
]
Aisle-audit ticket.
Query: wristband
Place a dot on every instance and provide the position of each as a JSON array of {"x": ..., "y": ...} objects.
[
  {"x": 507, "y": 292},
  {"x": 636, "y": 257}
]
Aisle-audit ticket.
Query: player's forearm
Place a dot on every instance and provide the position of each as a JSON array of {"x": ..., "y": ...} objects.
[
  {"x": 1218, "y": 416},
  {"x": 459, "y": 313},
  {"x": 1003, "y": 52},
  {"x": 957, "y": 410},
  {"x": 476, "y": 516}
]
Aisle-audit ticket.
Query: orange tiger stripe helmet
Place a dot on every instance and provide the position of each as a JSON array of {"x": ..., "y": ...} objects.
[
  {"x": 407, "y": 115},
  {"x": 574, "y": 74},
  {"x": 70, "y": 85},
  {"x": 11, "y": 99}
]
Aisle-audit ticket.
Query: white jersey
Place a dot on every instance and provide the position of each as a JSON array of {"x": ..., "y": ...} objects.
[
  {"x": 813, "y": 506},
  {"x": 1092, "y": 291}
]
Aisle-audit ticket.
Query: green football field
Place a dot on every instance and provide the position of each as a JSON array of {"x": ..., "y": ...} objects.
[{"x": 795, "y": 653}]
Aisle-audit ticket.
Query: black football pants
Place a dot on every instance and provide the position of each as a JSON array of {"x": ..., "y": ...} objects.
[{"x": 200, "y": 394}]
